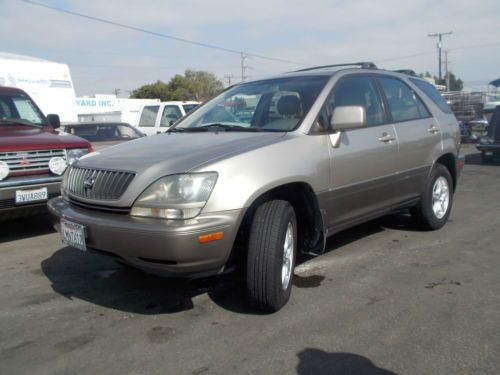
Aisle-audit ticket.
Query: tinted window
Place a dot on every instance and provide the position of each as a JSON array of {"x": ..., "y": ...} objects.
[
  {"x": 404, "y": 104},
  {"x": 189, "y": 107},
  {"x": 358, "y": 91},
  {"x": 433, "y": 94},
  {"x": 148, "y": 116}
]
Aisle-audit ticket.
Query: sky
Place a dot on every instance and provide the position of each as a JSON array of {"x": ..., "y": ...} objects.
[{"x": 393, "y": 34}]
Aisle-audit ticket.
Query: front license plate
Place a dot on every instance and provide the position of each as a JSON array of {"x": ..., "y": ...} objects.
[
  {"x": 73, "y": 234},
  {"x": 28, "y": 196}
]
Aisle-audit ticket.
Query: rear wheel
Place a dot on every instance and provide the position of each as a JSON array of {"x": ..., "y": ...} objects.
[
  {"x": 272, "y": 251},
  {"x": 435, "y": 205}
]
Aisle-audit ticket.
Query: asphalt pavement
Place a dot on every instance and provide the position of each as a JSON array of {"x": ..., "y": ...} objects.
[{"x": 386, "y": 298}]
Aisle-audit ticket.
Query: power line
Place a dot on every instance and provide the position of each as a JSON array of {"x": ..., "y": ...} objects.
[{"x": 161, "y": 35}]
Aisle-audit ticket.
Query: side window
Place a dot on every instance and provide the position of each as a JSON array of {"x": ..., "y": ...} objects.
[
  {"x": 358, "y": 91},
  {"x": 171, "y": 113},
  {"x": 404, "y": 104},
  {"x": 433, "y": 94},
  {"x": 148, "y": 116}
]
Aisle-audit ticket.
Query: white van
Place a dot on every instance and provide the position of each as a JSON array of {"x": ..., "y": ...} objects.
[{"x": 157, "y": 118}]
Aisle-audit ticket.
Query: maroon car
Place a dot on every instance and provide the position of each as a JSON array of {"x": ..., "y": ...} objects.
[{"x": 33, "y": 157}]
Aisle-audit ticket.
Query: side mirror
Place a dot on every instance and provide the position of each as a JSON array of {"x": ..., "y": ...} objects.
[
  {"x": 348, "y": 117},
  {"x": 54, "y": 121}
]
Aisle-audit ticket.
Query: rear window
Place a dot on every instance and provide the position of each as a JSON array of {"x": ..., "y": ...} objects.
[{"x": 433, "y": 94}]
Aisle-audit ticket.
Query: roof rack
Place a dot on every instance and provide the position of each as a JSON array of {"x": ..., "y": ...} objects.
[
  {"x": 408, "y": 72},
  {"x": 363, "y": 65}
]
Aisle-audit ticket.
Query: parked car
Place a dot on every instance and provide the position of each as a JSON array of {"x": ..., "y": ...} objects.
[
  {"x": 341, "y": 145},
  {"x": 32, "y": 156},
  {"x": 489, "y": 145},
  {"x": 157, "y": 118},
  {"x": 103, "y": 134}
]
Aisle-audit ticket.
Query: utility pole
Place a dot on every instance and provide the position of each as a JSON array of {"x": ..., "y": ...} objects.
[
  {"x": 447, "y": 73},
  {"x": 228, "y": 78},
  {"x": 439, "y": 46},
  {"x": 243, "y": 67}
]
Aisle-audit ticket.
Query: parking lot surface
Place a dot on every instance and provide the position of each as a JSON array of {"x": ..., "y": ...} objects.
[{"x": 386, "y": 298}]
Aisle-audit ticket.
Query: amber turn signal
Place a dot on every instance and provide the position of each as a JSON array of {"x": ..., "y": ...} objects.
[{"x": 210, "y": 237}]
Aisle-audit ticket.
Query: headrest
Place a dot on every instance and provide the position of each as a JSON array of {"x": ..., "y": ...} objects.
[{"x": 288, "y": 105}]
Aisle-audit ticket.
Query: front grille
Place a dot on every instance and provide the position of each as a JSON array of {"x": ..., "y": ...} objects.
[
  {"x": 27, "y": 161},
  {"x": 98, "y": 184}
]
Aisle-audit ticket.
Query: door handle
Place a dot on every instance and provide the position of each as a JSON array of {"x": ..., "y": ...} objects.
[
  {"x": 433, "y": 129},
  {"x": 387, "y": 138}
]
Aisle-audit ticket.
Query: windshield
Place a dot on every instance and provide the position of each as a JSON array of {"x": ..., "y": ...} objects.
[
  {"x": 17, "y": 106},
  {"x": 269, "y": 105}
]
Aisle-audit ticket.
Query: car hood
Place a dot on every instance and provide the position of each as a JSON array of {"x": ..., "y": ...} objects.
[
  {"x": 171, "y": 153},
  {"x": 16, "y": 138}
]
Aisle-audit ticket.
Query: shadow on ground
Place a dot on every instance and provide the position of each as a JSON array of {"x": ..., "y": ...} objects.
[
  {"x": 26, "y": 227},
  {"x": 318, "y": 362},
  {"x": 99, "y": 280}
]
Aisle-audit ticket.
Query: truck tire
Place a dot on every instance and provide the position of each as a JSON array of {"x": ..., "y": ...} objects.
[
  {"x": 272, "y": 250},
  {"x": 434, "y": 208}
]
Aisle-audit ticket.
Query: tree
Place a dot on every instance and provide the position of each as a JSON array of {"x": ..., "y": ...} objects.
[
  {"x": 158, "y": 90},
  {"x": 456, "y": 84},
  {"x": 193, "y": 85}
]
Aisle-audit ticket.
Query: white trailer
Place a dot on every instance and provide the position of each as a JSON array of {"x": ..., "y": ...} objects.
[{"x": 48, "y": 83}]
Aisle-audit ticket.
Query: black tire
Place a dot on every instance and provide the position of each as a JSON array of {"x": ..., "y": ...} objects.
[
  {"x": 423, "y": 213},
  {"x": 265, "y": 261}
]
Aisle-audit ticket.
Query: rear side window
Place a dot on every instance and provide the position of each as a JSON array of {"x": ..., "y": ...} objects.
[
  {"x": 148, "y": 116},
  {"x": 404, "y": 104},
  {"x": 433, "y": 94}
]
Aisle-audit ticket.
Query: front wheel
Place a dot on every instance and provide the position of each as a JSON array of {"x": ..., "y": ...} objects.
[
  {"x": 434, "y": 208},
  {"x": 272, "y": 250}
]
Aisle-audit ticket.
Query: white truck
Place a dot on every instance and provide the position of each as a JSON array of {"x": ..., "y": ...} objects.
[
  {"x": 157, "y": 118},
  {"x": 48, "y": 83}
]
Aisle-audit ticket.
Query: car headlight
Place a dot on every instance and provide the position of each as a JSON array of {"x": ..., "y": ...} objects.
[
  {"x": 72, "y": 155},
  {"x": 4, "y": 170},
  {"x": 176, "y": 197},
  {"x": 57, "y": 165}
]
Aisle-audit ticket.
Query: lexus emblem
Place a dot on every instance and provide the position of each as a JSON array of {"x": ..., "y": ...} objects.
[{"x": 89, "y": 182}]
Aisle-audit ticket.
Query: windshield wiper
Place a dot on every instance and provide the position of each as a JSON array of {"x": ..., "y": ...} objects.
[{"x": 18, "y": 121}]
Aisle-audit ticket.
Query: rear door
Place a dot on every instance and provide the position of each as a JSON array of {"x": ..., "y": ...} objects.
[
  {"x": 363, "y": 165},
  {"x": 418, "y": 133}
]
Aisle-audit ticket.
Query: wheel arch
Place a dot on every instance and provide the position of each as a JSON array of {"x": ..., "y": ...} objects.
[
  {"x": 449, "y": 161},
  {"x": 310, "y": 226}
]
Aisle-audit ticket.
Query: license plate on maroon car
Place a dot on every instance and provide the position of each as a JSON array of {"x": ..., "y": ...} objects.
[
  {"x": 73, "y": 234},
  {"x": 33, "y": 195}
]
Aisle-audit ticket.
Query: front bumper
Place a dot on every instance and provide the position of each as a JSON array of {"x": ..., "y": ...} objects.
[
  {"x": 168, "y": 247},
  {"x": 8, "y": 207}
]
